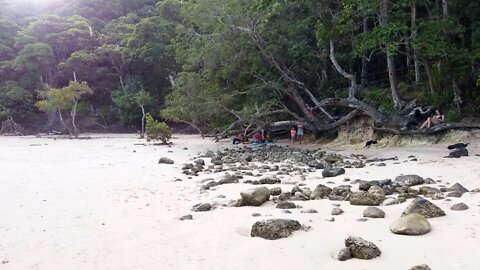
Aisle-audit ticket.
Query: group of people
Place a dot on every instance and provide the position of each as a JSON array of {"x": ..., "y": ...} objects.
[
  {"x": 296, "y": 134},
  {"x": 259, "y": 137}
]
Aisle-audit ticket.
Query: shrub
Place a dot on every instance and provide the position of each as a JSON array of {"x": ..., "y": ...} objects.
[{"x": 157, "y": 131}]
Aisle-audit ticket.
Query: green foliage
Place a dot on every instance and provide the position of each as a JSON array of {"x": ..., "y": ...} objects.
[
  {"x": 157, "y": 131},
  {"x": 15, "y": 101},
  {"x": 59, "y": 99},
  {"x": 377, "y": 97}
]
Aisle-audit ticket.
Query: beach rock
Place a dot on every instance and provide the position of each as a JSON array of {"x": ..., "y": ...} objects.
[
  {"x": 200, "y": 162},
  {"x": 165, "y": 160},
  {"x": 186, "y": 217},
  {"x": 255, "y": 196},
  {"x": 409, "y": 180},
  {"x": 411, "y": 224},
  {"x": 455, "y": 194},
  {"x": 299, "y": 196},
  {"x": 275, "y": 191},
  {"x": 337, "y": 211},
  {"x": 420, "y": 267},
  {"x": 396, "y": 201},
  {"x": 274, "y": 229},
  {"x": 270, "y": 180},
  {"x": 423, "y": 207},
  {"x": 286, "y": 205},
  {"x": 365, "y": 198},
  {"x": 202, "y": 207},
  {"x": 332, "y": 158},
  {"x": 332, "y": 172},
  {"x": 256, "y": 214},
  {"x": 456, "y": 187},
  {"x": 320, "y": 192},
  {"x": 344, "y": 254},
  {"x": 376, "y": 190},
  {"x": 373, "y": 212},
  {"x": 361, "y": 248},
  {"x": 309, "y": 211},
  {"x": 459, "y": 207},
  {"x": 462, "y": 152},
  {"x": 330, "y": 219},
  {"x": 340, "y": 193},
  {"x": 428, "y": 190},
  {"x": 285, "y": 196}
]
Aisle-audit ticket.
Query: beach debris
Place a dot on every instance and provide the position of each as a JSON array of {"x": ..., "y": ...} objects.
[
  {"x": 202, "y": 207},
  {"x": 411, "y": 224},
  {"x": 165, "y": 160},
  {"x": 457, "y": 153},
  {"x": 273, "y": 229},
  {"x": 457, "y": 146},
  {"x": 373, "y": 212},
  {"x": 357, "y": 247},
  {"x": 255, "y": 196},
  {"x": 423, "y": 207},
  {"x": 459, "y": 207},
  {"x": 366, "y": 198}
]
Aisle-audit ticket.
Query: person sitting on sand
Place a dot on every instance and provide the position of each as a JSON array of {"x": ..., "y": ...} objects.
[
  {"x": 300, "y": 133},
  {"x": 258, "y": 138},
  {"x": 239, "y": 139},
  {"x": 293, "y": 135},
  {"x": 435, "y": 119}
]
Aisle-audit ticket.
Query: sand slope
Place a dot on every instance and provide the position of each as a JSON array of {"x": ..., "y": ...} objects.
[{"x": 97, "y": 204}]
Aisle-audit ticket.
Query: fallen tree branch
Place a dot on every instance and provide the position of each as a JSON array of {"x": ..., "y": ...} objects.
[{"x": 432, "y": 130}]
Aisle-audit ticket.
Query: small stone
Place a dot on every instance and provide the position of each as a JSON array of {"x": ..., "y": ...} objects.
[
  {"x": 186, "y": 217},
  {"x": 165, "y": 160},
  {"x": 255, "y": 215},
  {"x": 330, "y": 219},
  {"x": 373, "y": 212},
  {"x": 309, "y": 211},
  {"x": 337, "y": 211},
  {"x": 362, "y": 220},
  {"x": 286, "y": 205},
  {"x": 366, "y": 198},
  {"x": 344, "y": 254},
  {"x": 409, "y": 180},
  {"x": 332, "y": 172},
  {"x": 459, "y": 207},
  {"x": 201, "y": 207},
  {"x": 275, "y": 191},
  {"x": 256, "y": 196},
  {"x": 420, "y": 267}
]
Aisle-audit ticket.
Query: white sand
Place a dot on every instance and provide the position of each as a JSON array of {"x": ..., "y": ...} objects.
[{"x": 97, "y": 204}]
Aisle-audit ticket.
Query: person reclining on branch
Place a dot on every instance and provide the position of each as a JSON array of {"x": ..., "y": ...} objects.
[{"x": 435, "y": 119}]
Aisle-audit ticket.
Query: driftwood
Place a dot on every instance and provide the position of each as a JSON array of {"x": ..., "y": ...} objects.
[{"x": 435, "y": 129}]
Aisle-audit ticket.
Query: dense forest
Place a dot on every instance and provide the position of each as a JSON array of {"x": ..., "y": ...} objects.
[{"x": 229, "y": 65}]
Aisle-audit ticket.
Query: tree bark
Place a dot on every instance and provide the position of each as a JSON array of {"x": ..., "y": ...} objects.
[
  {"x": 60, "y": 116},
  {"x": 142, "y": 134},
  {"x": 445, "y": 8},
  {"x": 413, "y": 36},
  {"x": 352, "y": 90},
  {"x": 73, "y": 114},
  {"x": 363, "y": 79},
  {"x": 392, "y": 75}
]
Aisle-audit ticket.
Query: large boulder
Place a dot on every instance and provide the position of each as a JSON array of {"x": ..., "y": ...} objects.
[
  {"x": 365, "y": 198},
  {"x": 373, "y": 212},
  {"x": 409, "y": 180},
  {"x": 423, "y": 207},
  {"x": 361, "y": 248},
  {"x": 462, "y": 152},
  {"x": 332, "y": 172},
  {"x": 274, "y": 229},
  {"x": 320, "y": 192},
  {"x": 411, "y": 224},
  {"x": 340, "y": 193},
  {"x": 255, "y": 196}
]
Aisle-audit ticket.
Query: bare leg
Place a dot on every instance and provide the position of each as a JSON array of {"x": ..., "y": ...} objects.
[{"x": 424, "y": 125}]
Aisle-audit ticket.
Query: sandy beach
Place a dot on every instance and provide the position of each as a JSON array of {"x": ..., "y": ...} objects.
[{"x": 106, "y": 203}]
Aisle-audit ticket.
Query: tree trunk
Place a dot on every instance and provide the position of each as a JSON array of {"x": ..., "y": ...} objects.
[
  {"x": 445, "y": 8},
  {"x": 60, "y": 116},
  {"x": 352, "y": 90},
  {"x": 413, "y": 36},
  {"x": 429, "y": 76},
  {"x": 363, "y": 79},
  {"x": 142, "y": 134},
  {"x": 73, "y": 114},
  {"x": 392, "y": 75}
]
